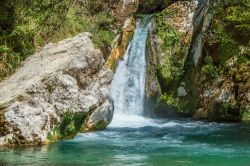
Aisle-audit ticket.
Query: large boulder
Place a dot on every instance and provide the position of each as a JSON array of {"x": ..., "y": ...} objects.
[{"x": 59, "y": 91}]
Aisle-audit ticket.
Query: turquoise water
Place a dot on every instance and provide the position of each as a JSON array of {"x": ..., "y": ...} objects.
[
  {"x": 159, "y": 142},
  {"x": 132, "y": 139}
]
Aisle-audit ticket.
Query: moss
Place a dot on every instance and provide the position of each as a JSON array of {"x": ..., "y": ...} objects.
[
  {"x": 3, "y": 124},
  {"x": 20, "y": 98},
  {"x": 50, "y": 88},
  {"x": 246, "y": 114},
  {"x": 209, "y": 69},
  {"x": 3, "y": 106},
  {"x": 100, "y": 125},
  {"x": 174, "y": 49},
  {"x": 243, "y": 58},
  {"x": 225, "y": 112},
  {"x": 169, "y": 100},
  {"x": 120, "y": 47},
  {"x": 171, "y": 72},
  {"x": 68, "y": 127}
]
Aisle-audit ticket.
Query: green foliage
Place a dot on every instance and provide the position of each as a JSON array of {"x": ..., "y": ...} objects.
[
  {"x": 172, "y": 68},
  {"x": 9, "y": 60},
  {"x": 230, "y": 32},
  {"x": 169, "y": 100},
  {"x": 69, "y": 126},
  {"x": 228, "y": 37},
  {"x": 102, "y": 30},
  {"x": 246, "y": 113},
  {"x": 28, "y": 25},
  {"x": 236, "y": 18},
  {"x": 168, "y": 34},
  {"x": 225, "y": 111},
  {"x": 172, "y": 46},
  {"x": 228, "y": 46},
  {"x": 180, "y": 104},
  {"x": 210, "y": 70},
  {"x": 244, "y": 56}
]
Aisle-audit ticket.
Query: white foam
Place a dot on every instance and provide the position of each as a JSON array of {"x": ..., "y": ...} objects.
[
  {"x": 128, "y": 85},
  {"x": 136, "y": 121},
  {"x": 131, "y": 121}
]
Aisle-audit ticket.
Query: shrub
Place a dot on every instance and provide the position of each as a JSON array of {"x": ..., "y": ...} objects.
[{"x": 210, "y": 70}]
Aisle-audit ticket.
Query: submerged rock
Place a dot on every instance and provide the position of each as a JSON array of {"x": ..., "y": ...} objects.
[{"x": 57, "y": 92}]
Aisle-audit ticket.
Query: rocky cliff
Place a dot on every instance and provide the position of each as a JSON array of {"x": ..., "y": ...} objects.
[
  {"x": 181, "y": 80},
  {"x": 203, "y": 66},
  {"x": 59, "y": 91}
]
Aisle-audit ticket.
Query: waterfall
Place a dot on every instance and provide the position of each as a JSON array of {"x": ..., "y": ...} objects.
[{"x": 128, "y": 85}]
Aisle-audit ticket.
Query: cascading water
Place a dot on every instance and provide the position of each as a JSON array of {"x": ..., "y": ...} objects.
[
  {"x": 132, "y": 139},
  {"x": 128, "y": 86}
]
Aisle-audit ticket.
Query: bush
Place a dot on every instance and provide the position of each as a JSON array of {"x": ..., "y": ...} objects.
[
  {"x": 172, "y": 67},
  {"x": 210, "y": 70}
]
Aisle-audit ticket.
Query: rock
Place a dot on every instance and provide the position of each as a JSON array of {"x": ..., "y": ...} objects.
[
  {"x": 153, "y": 89},
  {"x": 182, "y": 91},
  {"x": 121, "y": 43},
  {"x": 200, "y": 114},
  {"x": 226, "y": 99},
  {"x": 225, "y": 96},
  {"x": 55, "y": 92},
  {"x": 183, "y": 84},
  {"x": 180, "y": 22},
  {"x": 126, "y": 8},
  {"x": 100, "y": 118},
  {"x": 152, "y": 6}
]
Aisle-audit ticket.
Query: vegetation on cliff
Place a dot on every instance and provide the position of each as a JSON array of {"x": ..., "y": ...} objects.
[
  {"x": 27, "y": 25},
  {"x": 226, "y": 60},
  {"x": 222, "y": 71}
]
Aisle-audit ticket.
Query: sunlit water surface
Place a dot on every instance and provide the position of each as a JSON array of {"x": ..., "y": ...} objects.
[{"x": 144, "y": 142}]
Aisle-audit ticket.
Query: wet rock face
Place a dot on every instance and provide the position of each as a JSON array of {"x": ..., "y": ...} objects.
[{"x": 55, "y": 93}]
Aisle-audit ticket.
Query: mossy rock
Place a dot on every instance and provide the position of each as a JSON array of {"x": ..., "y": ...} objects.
[
  {"x": 225, "y": 112},
  {"x": 69, "y": 126},
  {"x": 3, "y": 106},
  {"x": 246, "y": 114},
  {"x": 97, "y": 127},
  {"x": 4, "y": 125}
]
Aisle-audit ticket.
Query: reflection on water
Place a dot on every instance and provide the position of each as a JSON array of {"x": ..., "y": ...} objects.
[{"x": 160, "y": 142}]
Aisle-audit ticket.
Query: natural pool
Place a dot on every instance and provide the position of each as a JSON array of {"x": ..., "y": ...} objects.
[{"x": 144, "y": 142}]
